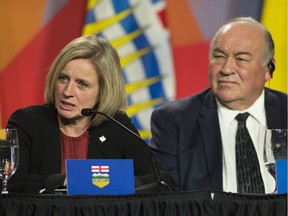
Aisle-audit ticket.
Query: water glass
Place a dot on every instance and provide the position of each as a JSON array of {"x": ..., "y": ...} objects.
[{"x": 9, "y": 155}]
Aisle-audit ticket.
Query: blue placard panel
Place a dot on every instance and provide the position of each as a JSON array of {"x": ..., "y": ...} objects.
[
  {"x": 281, "y": 176},
  {"x": 105, "y": 176}
]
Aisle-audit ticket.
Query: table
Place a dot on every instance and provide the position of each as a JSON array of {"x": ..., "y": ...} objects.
[{"x": 166, "y": 203}]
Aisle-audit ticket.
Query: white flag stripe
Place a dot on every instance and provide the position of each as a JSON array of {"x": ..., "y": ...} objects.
[{"x": 100, "y": 168}]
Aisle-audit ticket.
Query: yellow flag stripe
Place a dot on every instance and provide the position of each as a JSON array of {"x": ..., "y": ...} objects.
[
  {"x": 96, "y": 27},
  {"x": 145, "y": 134},
  {"x": 138, "y": 107},
  {"x": 274, "y": 17},
  {"x": 127, "y": 38},
  {"x": 132, "y": 87},
  {"x": 131, "y": 57},
  {"x": 92, "y": 3},
  {"x": 3, "y": 134}
]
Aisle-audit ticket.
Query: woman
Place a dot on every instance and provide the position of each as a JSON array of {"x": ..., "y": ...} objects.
[{"x": 85, "y": 74}]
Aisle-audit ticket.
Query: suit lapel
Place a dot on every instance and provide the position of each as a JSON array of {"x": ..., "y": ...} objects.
[
  {"x": 210, "y": 130},
  {"x": 101, "y": 142},
  {"x": 52, "y": 148},
  {"x": 274, "y": 116}
]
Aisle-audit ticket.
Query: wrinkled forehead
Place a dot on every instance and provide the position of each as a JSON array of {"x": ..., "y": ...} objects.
[
  {"x": 241, "y": 28},
  {"x": 242, "y": 33}
]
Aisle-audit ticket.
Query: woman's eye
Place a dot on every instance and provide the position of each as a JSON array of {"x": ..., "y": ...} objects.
[
  {"x": 82, "y": 84},
  {"x": 62, "y": 78}
]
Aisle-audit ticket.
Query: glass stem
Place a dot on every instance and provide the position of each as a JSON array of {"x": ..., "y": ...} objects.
[{"x": 4, "y": 185}]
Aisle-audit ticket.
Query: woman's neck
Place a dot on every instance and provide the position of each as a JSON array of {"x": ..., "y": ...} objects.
[{"x": 74, "y": 128}]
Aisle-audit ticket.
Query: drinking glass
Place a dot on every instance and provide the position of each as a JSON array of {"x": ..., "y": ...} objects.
[
  {"x": 9, "y": 155},
  {"x": 275, "y": 148}
]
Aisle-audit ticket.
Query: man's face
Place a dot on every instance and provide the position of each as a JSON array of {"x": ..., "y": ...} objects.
[{"x": 237, "y": 73}]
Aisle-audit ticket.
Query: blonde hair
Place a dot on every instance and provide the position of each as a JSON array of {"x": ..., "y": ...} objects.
[{"x": 105, "y": 59}]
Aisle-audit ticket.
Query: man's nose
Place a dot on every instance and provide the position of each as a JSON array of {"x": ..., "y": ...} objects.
[{"x": 228, "y": 66}]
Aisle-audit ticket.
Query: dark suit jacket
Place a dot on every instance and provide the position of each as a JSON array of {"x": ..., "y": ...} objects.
[
  {"x": 40, "y": 148},
  {"x": 187, "y": 141}
]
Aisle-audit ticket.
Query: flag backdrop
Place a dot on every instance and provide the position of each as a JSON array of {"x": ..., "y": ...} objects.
[
  {"x": 278, "y": 28},
  {"x": 163, "y": 45}
]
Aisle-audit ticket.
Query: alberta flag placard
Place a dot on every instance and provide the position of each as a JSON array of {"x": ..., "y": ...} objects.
[
  {"x": 100, "y": 176},
  {"x": 281, "y": 176}
]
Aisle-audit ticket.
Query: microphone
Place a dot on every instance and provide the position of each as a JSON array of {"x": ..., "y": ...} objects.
[{"x": 159, "y": 184}]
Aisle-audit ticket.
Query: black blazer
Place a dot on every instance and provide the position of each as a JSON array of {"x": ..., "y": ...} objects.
[
  {"x": 187, "y": 141},
  {"x": 40, "y": 148}
]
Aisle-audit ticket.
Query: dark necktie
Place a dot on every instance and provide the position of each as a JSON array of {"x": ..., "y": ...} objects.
[{"x": 249, "y": 178}]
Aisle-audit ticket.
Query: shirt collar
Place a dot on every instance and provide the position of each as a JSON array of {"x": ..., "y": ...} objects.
[{"x": 257, "y": 110}]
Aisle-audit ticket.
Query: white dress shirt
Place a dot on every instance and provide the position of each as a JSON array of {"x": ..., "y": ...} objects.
[{"x": 256, "y": 125}]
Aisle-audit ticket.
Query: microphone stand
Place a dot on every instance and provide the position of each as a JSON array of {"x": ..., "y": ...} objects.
[{"x": 150, "y": 187}]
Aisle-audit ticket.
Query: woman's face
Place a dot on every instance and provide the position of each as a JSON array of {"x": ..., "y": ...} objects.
[{"x": 77, "y": 88}]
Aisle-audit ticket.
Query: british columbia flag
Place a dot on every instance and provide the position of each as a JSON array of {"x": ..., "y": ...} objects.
[{"x": 137, "y": 30}]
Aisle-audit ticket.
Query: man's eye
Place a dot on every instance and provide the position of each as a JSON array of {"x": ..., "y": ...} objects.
[
  {"x": 241, "y": 59},
  {"x": 219, "y": 57}
]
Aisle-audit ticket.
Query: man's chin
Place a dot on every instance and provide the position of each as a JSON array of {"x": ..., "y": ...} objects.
[{"x": 227, "y": 96}]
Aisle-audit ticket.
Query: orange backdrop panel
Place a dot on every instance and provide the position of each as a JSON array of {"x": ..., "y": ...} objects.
[{"x": 20, "y": 21}]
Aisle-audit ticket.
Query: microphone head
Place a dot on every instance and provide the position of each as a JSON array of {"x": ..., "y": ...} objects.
[{"x": 86, "y": 112}]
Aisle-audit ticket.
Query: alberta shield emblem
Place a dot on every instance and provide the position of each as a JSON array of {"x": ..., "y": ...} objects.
[{"x": 100, "y": 176}]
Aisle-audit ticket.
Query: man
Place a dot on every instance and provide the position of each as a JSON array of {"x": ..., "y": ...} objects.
[{"x": 194, "y": 137}]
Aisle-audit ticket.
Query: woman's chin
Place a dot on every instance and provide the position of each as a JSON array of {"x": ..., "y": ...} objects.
[{"x": 69, "y": 116}]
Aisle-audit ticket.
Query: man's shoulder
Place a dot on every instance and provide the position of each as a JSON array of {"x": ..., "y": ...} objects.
[
  {"x": 185, "y": 108},
  {"x": 276, "y": 92},
  {"x": 193, "y": 101},
  {"x": 275, "y": 96}
]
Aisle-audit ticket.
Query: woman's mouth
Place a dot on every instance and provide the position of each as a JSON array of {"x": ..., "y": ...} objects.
[{"x": 66, "y": 105}]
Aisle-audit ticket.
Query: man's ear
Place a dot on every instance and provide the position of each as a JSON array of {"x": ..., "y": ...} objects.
[{"x": 271, "y": 67}]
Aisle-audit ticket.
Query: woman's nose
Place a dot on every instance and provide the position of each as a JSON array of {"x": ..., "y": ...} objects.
[{"x": 69, "y": 90}]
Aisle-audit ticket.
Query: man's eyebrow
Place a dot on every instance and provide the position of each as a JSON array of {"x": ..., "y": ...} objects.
[
  {"x": 218, "y": 50},
  {"x": 236, "y": 54},
  {"x": 243, "y": 53}
]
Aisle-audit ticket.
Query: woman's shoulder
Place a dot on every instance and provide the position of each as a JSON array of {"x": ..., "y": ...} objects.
[
  {"x": 34, "y": 112},
  {"x": 115, "y": 122}
]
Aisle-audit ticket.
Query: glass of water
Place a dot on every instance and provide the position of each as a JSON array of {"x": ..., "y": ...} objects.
[
  {"x": 9, "y": 155},
  {"x": 275, "y": 148}
]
